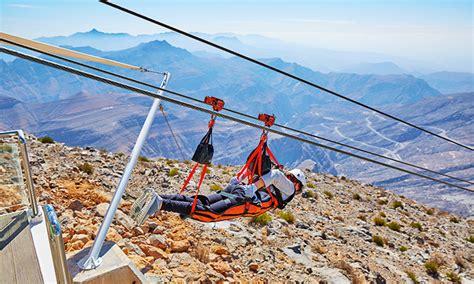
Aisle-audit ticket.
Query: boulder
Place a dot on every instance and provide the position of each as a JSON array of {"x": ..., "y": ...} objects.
[{"x": 180, "y": 246}]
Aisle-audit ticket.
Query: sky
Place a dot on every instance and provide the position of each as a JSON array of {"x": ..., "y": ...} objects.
[{"x": 438, "y": 31}]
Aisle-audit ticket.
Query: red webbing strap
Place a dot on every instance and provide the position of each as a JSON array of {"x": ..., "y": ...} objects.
[
  {"x": 203, "y": 173},
  {"x": 270, "y": 154},
  {"x": 189, "y": 178},
  {"x": 256, "y": 151}
]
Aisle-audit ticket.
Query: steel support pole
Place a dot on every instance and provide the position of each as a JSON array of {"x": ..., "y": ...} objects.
[{"x": 93, "y": 260}]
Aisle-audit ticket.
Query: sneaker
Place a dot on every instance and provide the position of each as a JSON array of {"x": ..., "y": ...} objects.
[{"x": 145, "y": 205}]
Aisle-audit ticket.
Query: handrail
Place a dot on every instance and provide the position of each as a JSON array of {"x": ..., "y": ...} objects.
[{"x": 25, "y": 164}]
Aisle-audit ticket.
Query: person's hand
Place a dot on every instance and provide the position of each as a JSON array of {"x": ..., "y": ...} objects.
[
  {"x": 235, "y": 181},
  {"x": 250, "y": 190}
]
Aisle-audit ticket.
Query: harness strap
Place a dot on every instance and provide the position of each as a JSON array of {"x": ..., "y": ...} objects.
[
  {"x": 228, "y": 195},
  {"x": 189, "y": 178},
  {"x": 203, "y": 173}
]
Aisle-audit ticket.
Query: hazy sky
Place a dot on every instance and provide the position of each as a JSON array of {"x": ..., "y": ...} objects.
[{"x": 428, "y": 30}]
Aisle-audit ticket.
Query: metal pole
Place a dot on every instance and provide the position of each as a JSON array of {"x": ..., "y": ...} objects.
[{"x": 93, "y": 260}]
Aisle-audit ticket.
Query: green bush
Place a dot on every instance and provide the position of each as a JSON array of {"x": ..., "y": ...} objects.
[
  {"x": 143, "y": 159},
  {"x": 287, "y": 216},
  {"x": 310, "y": 194},
  {"x": 382, "y": 202},
  {"x": 208, "y": 171},
  {"x": 379, "y": 221},
  {"x": 397, "y": 204},
  {"x": 454, "y": 220},
  {"x": 382, "y": 214},
  {"x": 378, "y": 240},
  {"x": 356, "y": 196},
  {"x": 403, "y": 248},
  {"x": 86, "y": 168},
  {"x": 453, "y": 277},
  {"x": 432, "y": 268},
  {"x": 225, "y": 172},
  {"x": 169, "y": 162},
  {"x": 470, "y": 239},
  {"x": 262, "y": 219},
  {"x": 430, "y": 211},
  {"x": 6, "y": 148},
  {"x": 173, "y": 172},
  {"x": 328, "y": 194},
  {"x": 412, "y": 276},
  {"x": 215, "y": 187},
  {"x": 416, "y": 225},
  {"x": 46, "y": 139},
  {"x": 394, "y": 226},
  {"x": 309, "y": 185}
]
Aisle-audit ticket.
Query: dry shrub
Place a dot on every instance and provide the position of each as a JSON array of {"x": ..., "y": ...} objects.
[{"x": 350, "y": 272}]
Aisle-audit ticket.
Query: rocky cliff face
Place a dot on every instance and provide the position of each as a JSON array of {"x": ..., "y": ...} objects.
[{"x": 340, "y": 231}]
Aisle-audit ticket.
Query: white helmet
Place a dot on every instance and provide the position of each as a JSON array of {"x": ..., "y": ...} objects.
[{"x": 299, "y": 175}]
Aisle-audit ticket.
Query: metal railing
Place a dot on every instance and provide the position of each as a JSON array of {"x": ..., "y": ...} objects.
[{"x": 26, "y": 177}]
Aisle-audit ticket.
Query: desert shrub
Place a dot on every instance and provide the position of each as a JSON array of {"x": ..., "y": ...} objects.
[
  {"x": 6, "y": 148},
  {"x": 328, "y": 194},
  {"x": 454, "y": 220},
  {"x": 397, "y": 204},
  {"x": 453, "y": 277},
  {"x": 86, "y": 168},
  {"x": 470, "y": 239},
  {"x": 46, "y": 139},
  {"x": 310, "y": 194},
  {"x": 362, "y": 217},
  {"x": 262, "y": 219},
  {"x": 430, "y": 211},
  {"x": 403, "y": 248},
  {"x": 173, "y": 172},
  {"x": 287, "y": 216},
  {"x": 394, "y": 226},
  {"x": 202, "y": 253},
  {"x": 379, "y": 221},
  {"x": 208, "y": 171},
  {"x": 382, "y": 214},
  {"x": 432, "y": 268},
  {"x": 143, "y": 159},
  {"x": 382, "y": 202},
  {"x": 416, "y": 225},
  {"x": 356, "y": 196},
  {"x": 378, "y": 240},
  {"x": 412, "y": 276},
  {"x": 215, "y": 187},
  {"x": 309, "y": 185},
  {"x": 225, "y": 172},
  {"x": 169, "y": 162}
]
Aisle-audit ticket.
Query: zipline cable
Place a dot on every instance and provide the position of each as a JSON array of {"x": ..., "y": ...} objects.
[
  {"x": 172, "y": 132},
  {"x": 255, "y": 61},
  {"x": 205, "y": 110},
  {"x": 239, "y": 113}
]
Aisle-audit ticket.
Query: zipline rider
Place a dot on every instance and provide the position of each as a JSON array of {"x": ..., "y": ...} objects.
[{"x": 283, "y": 186}]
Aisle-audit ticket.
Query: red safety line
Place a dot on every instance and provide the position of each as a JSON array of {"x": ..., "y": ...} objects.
[
  {"x": 189, "y": 178},
  {"x": 203, "y": 173},
  {"x": 272, "y": 156}
]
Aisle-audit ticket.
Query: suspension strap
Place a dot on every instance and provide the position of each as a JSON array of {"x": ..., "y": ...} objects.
[
  {"x": 203, "y": 173},
  {"x": 189, "y": 178}
]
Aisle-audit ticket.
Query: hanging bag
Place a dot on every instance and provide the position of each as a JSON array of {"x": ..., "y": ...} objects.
[{"x": 205, "y": 149}]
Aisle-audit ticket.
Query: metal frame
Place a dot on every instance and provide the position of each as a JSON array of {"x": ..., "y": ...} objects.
[
  {"x": 92, "y": 260},
  {"x": 25, "y": 163}
]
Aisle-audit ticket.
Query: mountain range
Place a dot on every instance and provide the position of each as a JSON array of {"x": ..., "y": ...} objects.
[{"x": 81, "y": 112}]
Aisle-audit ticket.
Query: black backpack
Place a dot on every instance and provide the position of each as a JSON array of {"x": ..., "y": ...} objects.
[{"x": 205, "y": 150}]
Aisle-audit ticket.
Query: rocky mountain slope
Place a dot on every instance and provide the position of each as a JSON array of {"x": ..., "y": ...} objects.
[{"x": 341, "y": 231}]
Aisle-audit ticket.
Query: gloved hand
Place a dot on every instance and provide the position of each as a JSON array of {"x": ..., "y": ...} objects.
[
  {"x": 250, "y": 190},
  {"x": 235, "y": 181}
]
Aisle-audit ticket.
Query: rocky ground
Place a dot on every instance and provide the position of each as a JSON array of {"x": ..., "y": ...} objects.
[{"x": 341, "y": 231}]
